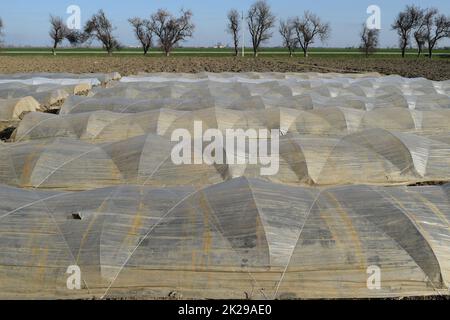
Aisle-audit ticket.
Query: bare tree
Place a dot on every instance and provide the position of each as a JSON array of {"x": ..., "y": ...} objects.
[
  {"x": 287, "y": 32},
  {"x": 420, "y": 32},
  {"x": 420, "y": 36},
  {"x": 233, "y": 27},
  {"x": 170, "y": 30},
  {"x": 369, "y": 40},
  {"x": 436, "y": 27},
  {"x": 260, "y": 20},
  {"x": 1, "y": 30},
  {"x": 142, "y": 32},
  {"x": 308, "y": 29},
  {"x": 404, "y": 24},
  {"x": 100, "y": 28},
  {"x": 58, "y": 32},
  {"x": 76, "y": 37}
]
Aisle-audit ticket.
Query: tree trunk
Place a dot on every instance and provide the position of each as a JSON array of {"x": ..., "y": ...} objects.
[
  {"x": 419, "y": 51},
  {"x": 403, "y": 51},
  {"x": 305, "y": 53},
  {"x": 430, "y": 52}
]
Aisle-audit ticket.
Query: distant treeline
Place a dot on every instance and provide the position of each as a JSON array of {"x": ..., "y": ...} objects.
[{"x": 421, "y": 28}]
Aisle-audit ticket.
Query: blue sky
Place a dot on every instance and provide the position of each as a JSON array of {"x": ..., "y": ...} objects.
[{"x": 26, "y": 22}]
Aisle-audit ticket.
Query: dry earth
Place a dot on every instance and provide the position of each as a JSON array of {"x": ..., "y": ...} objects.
[{"x": 436, "y": 69}]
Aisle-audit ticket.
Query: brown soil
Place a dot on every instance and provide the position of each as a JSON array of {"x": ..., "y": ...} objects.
[
  {"x": 428, "y": 183},
  {"x": 5, "y": 134},
  {"x": 436, "y": 69}
]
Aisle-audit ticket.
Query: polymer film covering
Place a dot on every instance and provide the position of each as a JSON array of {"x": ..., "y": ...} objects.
[{"x": 363, "y": 162}]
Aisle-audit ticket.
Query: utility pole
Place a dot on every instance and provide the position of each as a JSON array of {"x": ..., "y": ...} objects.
[{"x": 243, "y": 34}]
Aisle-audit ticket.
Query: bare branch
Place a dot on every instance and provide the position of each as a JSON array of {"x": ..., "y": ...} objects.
[
  {"x": 234, "y": 27},
  {"x": 171, "y": 30},
  {"x": 76, "y": 37},
  {"x": 58, "y": 32},
  {"x": 287, "y": 32},
  {"x": 100, "y": 28},
  {"x": 420, "y": 34},
  {"x": 143, "y": 33},
  {"x": 435, "y": 27},
  {"x": 369, "y": 40},
  {"x": 308, "y": 29},
  {"x": 1, "y": 31},
  {"x": 404, "y": 24},
  {"x": 260, "y": 20}
]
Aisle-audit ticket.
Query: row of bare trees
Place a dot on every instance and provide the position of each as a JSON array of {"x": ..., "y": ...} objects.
[
  {"x": 169, "y": 30},
  {"x": 427, "y": 26},
  {"x": 98, "y": 27},
  {"x": 303, "y": 32},
  {"x": 296, "y": 32}
]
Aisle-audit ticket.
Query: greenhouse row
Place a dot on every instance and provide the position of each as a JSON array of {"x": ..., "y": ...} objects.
[{"x": 88, "y": 182}]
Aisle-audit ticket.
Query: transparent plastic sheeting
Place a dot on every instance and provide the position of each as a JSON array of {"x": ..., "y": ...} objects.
[
  {"x": 107, "y": 126},
  {"x": 46, "y": 81},
  {"x": 96, "y": 188},
  {"x": 373, "y": 156},
  {"x": 359, "y": 93},
  {"x": 46, "y": 95},
  {"x": 14, "y": 109},
  {"x": 47, "y": 89},
  {"x": 245, "y": 77},
  {"x": 93, "y": 79},
  {"x": 240, "y": 239}
]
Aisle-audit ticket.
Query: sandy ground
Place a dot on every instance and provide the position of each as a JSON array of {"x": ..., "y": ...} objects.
[{"x": 436, "y": 69}]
